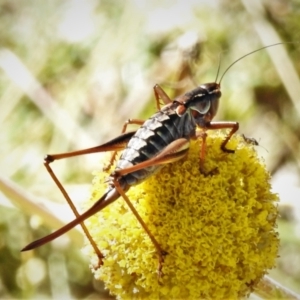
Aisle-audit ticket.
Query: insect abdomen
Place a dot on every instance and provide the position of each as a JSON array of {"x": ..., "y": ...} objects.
[{"x": 154, "y": 135}]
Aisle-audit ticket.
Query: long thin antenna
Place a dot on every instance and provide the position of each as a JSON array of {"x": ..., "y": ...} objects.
[
  {"x": 219, "y": 67},
  {"x": 250, "y": 54}
]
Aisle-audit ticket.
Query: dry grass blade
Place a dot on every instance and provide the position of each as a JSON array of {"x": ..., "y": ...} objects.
[{"x": 47, "y": 212}]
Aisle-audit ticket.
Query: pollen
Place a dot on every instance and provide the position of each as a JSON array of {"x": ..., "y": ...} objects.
[{"x": 219, "y": 230}]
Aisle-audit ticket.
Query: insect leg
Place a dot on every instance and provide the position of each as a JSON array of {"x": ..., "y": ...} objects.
[
  {"x": 234, "y": 126},
  {"x": 160, "y": 94},
  {"x": 115, "y": 144},
  {"x": 173, "y": 152},
  {"x": 202, "y": 135},
  {"x": 106, "y": 199},
  {"x": 160, "y": 251}
]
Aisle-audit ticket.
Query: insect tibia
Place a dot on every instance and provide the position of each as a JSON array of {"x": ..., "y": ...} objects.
[{"x": 110, "y": 196}]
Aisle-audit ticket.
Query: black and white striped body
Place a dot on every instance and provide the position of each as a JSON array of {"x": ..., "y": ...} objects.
[{"x": 153, "y": 136}]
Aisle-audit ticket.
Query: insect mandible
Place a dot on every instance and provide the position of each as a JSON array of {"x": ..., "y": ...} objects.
[{"x": 161, "y": 139}]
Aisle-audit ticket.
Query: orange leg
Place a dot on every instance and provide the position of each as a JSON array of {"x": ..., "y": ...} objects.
[
  {"x": 160, "y": 94},
  {"x": 116, "y": 144},
  {"x": 234, "y": 126}
]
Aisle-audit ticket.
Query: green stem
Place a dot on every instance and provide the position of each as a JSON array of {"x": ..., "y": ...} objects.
[{"x": 270, "y": 289}]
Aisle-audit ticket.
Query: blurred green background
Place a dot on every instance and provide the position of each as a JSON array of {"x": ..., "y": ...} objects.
[{"x": 71, "y": 73}]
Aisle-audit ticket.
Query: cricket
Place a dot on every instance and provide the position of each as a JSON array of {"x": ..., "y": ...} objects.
[{"x": 161, "y": 139}]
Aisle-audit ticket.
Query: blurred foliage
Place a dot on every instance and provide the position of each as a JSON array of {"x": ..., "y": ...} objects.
[{"x": 97, "y": 61}]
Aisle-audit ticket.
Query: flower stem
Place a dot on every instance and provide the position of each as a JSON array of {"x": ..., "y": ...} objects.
[{"x": 270, "y": 289}]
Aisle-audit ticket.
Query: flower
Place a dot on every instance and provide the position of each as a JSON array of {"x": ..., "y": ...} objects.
[{"x": 219, "y": 230}]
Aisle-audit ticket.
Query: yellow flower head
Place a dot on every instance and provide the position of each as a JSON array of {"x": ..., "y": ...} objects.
[{"x": 218, "y": 231}]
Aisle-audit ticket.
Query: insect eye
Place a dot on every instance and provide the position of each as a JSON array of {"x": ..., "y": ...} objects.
[{"x": 202, "y": 106}]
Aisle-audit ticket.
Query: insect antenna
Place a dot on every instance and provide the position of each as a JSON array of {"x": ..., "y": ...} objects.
[
  {"x": 262, "y": 48},
  {"x": 219, "y": 67}
]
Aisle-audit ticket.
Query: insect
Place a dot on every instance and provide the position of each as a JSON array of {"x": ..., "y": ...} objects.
[
  {"x": 250, "y": 141},
  {"x": 161, "y": 139}
]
